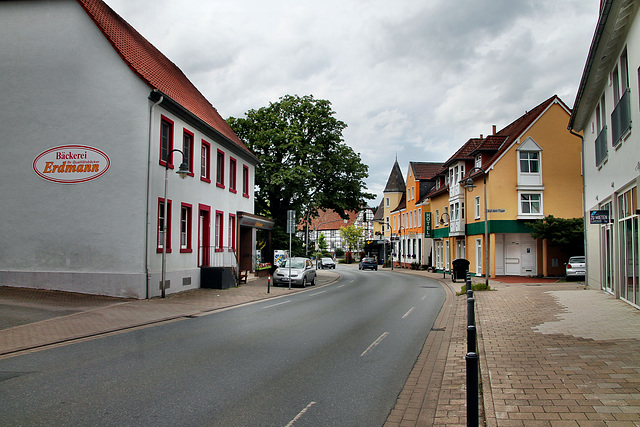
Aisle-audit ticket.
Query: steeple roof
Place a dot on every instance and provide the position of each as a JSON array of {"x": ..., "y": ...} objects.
[{"x": 395, "y": 183}]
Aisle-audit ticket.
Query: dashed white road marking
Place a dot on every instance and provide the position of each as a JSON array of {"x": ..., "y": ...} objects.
[
  {"x": 408, "y": 312},
  {"x": 274, "y": 305},
  {"x": 375, "y": 343},
  {"x": 300, "y": 414}
]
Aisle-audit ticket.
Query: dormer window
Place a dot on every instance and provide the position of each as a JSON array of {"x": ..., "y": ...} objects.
[
  {"x": 478, "y": 161},
  {"x": 529, "y": 162},
  {"x": 529, "y": 165}
]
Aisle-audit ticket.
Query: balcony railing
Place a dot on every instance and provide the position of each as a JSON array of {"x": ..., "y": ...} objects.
[
  {"x": 621, "y": 119},
  {"x": 601, "y": 146},
  {"x": 213, "y": 256}
]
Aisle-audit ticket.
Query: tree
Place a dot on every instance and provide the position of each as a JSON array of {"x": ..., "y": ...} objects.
[
  {"x": 352, "y": 237},
  {"x": 322, "y": 242},
  {"x": 304, "y": 163},
  {"x": 567, "y": 234}
]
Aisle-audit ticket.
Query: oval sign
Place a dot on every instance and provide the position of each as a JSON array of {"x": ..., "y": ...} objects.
[{"x": 71, "y": 164}]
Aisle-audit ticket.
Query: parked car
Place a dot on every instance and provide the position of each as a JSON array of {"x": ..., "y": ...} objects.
[
  {"x": 303, "y": 272},
  {"x": 327, "y": 263},
  {"x": 368, "y": 263},
  {"x": 576, "y": 267}
]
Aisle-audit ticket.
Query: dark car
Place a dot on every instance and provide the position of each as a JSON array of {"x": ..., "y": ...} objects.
[
  {"x": 368, "y": 264},
  {"x": 327, "y": 263}
]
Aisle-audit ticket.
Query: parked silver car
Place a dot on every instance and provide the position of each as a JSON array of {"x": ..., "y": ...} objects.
[
  {"x": 576, "y": 268},
  {"x": 303, "y": 272}
]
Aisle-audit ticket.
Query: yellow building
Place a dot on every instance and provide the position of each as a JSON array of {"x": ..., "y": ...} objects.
[{"x": 532, "y": 170}]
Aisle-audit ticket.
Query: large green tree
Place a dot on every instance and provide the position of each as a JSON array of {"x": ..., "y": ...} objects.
[
  {"x": 564, "y": 233},
  {"x": 304, "y": 163}
]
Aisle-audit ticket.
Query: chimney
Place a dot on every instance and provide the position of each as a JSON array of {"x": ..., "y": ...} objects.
[
  {"x": 481, "y": 136},
  {"x": 494, "y": 129}
]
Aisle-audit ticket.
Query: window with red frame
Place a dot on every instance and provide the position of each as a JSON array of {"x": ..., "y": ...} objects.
[
  {"x": 218, "y": 232},
  {"x": 232, "y": 175},
  {"x": 220, "y": 170},
  {"x": 245, "y": 181},
  {"x": 166, "y": 141},
  {"x": 187, "y": 149},
  {"x": 205, "y": 162},
  {"x": 232, "y": 231},
  {"x": 185, "y": 228},
  {"x": 162, "y": 214}
]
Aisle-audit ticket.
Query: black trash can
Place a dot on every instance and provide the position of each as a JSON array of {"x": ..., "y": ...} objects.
[{"x": 460, "y": 268}]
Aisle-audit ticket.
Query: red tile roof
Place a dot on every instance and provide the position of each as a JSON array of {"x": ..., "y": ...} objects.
[
  {"x": 154, "y": 68},
  {"x": 425, "y": 170},
  {"x": 330, "y": 220}
]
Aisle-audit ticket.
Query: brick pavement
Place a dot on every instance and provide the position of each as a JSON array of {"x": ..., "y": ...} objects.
[{"x": 551, "y": 354}]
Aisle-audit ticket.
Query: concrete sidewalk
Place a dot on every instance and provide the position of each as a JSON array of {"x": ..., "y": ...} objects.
[{"x": 551, "y": 354}]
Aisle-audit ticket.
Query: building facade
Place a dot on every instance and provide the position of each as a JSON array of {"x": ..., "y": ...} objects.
[
  {"x": 528, "y": 170},
  {"x": 606, "y": 107},
  {"x": 93, "y": 114},
  {"x": 407, "y": 219}
]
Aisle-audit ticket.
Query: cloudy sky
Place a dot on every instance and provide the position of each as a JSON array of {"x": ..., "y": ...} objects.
[{"x": 411, "y": 79}]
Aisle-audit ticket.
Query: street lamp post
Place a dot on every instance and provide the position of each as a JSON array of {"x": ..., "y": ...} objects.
[
  {"x": 444, "y": 269},
  {"x": 392, "y": 245},
  {"x": 469, "y": 185},
  {"x": 183, "y": 171}
]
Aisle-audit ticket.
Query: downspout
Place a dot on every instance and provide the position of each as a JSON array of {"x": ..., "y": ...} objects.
[
  {"x": 148, "y": 191},
  {"x": 584, "y": 206}
]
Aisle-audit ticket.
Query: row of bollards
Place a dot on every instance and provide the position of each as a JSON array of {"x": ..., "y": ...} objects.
[{"x": 471, "y": 358}]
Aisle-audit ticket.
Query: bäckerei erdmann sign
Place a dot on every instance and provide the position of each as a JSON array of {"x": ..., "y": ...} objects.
[{"x": 71, "y": 164}]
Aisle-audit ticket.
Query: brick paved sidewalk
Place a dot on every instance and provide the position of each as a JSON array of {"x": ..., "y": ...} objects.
[{"x": 551, "y": 354}]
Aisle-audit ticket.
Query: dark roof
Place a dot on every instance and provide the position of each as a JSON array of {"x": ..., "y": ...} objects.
[
  {"x": 395, "y": 183},
  {"x": 379, "y": 215},
  {"x": 155, "y": 69},
  {"x": 425, "y": 170},
  {"x": 330, "y": 220}
]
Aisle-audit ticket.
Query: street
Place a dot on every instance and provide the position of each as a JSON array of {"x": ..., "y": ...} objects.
[{"x": 332, "y": 355}]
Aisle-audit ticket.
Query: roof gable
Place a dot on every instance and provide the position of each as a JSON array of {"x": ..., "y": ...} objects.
[
  {"x": 395, "y": 183},
  {"x": 155, "y": 69}
]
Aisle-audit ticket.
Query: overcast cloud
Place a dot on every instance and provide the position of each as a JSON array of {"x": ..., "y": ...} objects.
[{"x": 412, "y": 79}]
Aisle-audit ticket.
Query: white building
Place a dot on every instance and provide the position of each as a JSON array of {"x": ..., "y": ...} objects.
[
  {"x": 606, "y": 107},
  {"x": 90, "y": 113}
]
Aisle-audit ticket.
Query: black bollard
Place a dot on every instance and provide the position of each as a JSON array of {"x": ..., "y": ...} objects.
[
  {"x": 269, "y": 285},
  {"x": 471, "y": 313},
  {"x": 472, "y": 389},
  {"x": 471, "y": 339}
]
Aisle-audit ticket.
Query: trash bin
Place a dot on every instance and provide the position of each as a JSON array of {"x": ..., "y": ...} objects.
[{"x": 460, "y": 268}]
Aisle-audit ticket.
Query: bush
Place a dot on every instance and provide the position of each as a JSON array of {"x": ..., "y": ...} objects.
[
  {"x": 474, "y": 287},
  {"x": 415, "y": 266},
  {"x": 339, "y": 252}
]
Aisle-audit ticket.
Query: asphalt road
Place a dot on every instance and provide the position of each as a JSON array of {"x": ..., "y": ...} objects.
[{"x": 336, "y": 355}]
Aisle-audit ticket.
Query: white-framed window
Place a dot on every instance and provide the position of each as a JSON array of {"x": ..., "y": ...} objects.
[
  {"x": 437, "y": 221},
  {"x": 476, "y": 207},
  {"x": 529, "y": 162},
  {"x": 531, "y": 204},
  {"x": 387, "y": 201},
  {"x": 478, "y": 160}
]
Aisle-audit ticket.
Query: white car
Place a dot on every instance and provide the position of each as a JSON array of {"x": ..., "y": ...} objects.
[
  {"x": 303, "y": 272},
  {"x": 576, "y": 268}
]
